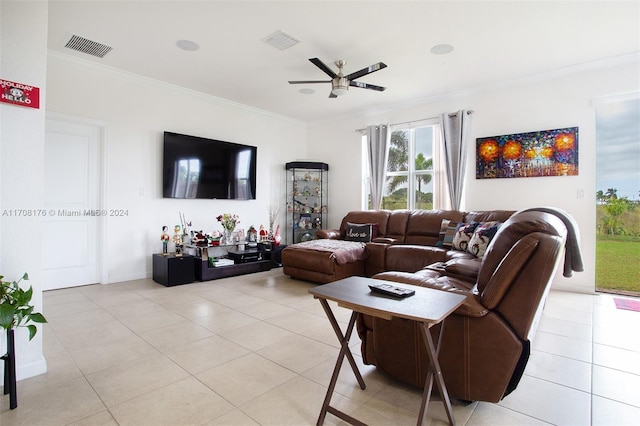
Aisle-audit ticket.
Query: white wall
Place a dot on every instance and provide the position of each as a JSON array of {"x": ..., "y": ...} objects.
[
  {"x": 546, "y": 102},
  {"x": 22, "y": 59},
  {"x": 136, "y": 112}
]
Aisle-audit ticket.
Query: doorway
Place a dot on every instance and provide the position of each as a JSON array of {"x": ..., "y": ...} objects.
[
  {"x": 618, "y": 196},
  {"x": 72, "y": 182}
]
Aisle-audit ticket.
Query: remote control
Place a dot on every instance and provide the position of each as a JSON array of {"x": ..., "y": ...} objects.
[{"x": 391, "y": 290}]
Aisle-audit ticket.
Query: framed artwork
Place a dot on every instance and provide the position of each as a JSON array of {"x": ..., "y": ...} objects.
[{"x": 542, "y": 153}]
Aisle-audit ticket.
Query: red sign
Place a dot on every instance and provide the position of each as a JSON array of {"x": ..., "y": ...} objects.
[{"x": 19, "y": 94}]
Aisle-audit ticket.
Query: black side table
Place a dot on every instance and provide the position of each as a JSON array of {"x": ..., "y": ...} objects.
[{"x": 170, "y": 270}]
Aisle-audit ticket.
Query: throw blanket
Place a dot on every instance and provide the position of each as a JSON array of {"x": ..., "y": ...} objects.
[
  {"x": 572, "y": 254},
  {"x": 342, "y": 251}
]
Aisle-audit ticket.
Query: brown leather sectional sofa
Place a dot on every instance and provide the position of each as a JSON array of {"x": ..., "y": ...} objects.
[
  {"x": 486, "y": 342},
  {"x": 419, "y": 229}
]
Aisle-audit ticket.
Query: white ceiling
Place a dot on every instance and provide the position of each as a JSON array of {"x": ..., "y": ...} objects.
[{"x": 495, "y": 42}]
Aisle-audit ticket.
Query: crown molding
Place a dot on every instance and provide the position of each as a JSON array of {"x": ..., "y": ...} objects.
[{"x": 515, "y": 82}]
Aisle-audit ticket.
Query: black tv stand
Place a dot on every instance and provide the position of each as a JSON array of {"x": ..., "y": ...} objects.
[
  {"x": 247, "y": 260},
  {"x": 204, "y": 272}
]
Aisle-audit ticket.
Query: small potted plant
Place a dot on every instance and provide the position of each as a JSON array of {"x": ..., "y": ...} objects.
[{"x": 15, "y": 311}]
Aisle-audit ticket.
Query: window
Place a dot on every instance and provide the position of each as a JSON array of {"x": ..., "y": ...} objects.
[{"x": 409, "y": 184}]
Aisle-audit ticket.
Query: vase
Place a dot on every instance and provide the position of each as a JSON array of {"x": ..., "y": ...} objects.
[{"x": 227, "y": 236}]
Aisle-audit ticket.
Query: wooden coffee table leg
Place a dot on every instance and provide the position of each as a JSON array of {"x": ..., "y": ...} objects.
[{"x": 434, "y": 372}]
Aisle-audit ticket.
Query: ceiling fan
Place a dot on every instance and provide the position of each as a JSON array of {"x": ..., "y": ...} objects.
[{"x": 339, "y": 82}]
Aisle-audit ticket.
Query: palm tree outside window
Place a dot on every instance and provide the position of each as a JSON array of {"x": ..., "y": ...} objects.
[{"x": 410, "y": 169}]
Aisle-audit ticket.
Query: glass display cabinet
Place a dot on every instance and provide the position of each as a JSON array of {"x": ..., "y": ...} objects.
[{"x": 307, "y": 197}]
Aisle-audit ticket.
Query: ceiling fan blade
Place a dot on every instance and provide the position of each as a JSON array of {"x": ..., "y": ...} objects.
[
  {"x": 367, "y": 70},
  {"x": 318, "y": 63},
  {"x": 309, "y": 81},
  {"x": 367, "y": 86}
]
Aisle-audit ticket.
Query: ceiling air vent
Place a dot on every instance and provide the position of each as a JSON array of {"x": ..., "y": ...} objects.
[
  {"x": 280, "y": 40},
  {"x": 87, "y": 46}
]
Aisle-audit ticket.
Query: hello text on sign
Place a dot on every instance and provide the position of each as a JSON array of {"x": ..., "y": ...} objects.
[{"x": 19, "y": 94}]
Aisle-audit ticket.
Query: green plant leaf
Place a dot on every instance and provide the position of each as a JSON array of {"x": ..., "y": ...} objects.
[
  {"x": 37, "y": 317},
  {"x": 27, "y": 295},
  {"x": 16, "y": 308},
  {"x": 32, "y": 331},
  {"x": 7, "y": 313}
]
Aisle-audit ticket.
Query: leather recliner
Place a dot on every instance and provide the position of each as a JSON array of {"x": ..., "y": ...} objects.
[{"x": 486, "y": 342}]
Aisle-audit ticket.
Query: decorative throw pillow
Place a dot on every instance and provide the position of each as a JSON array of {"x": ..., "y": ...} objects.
[
  {"x": 359, "y": 232},
  {"x": 443, "y": 230},
  {"x": 481, "y": 238},
  {"x": 463, "y": 235},
  {"x": 450, "y": 231}
]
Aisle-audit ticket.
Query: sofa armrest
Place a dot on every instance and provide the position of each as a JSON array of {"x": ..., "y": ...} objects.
[
  {"x": 328, "y": 234},
  {"x": 375, "y": 261}
]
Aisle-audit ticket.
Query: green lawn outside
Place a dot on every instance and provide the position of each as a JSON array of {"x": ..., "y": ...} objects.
[{"x": 618, "y": 263}]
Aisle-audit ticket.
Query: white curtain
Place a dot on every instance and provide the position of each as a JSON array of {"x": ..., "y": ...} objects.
[
  {"x": 378, "y": 153},
  {"x": 441, "y": 200},
  {"x": 455, "y": 134}
]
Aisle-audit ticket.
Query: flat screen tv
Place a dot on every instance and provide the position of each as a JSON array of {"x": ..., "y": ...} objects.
[{"x": 195, "y": 167}]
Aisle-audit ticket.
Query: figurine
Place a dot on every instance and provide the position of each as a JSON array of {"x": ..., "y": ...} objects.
[
  {"x": 199, "y": 238},
  {"x": 276, "y": 237},
  {"x": 177, "y": 240},
  {"x": 252, "y": 234},
  {"x": 264, "y": 235},
  {"x": 165, "y": 239}
]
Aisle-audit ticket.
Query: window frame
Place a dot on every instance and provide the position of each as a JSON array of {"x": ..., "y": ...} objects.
[{"x": 411, "y": 173}]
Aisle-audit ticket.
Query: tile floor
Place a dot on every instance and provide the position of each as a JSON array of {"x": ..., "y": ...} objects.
[{"x": 258, "y": 349}]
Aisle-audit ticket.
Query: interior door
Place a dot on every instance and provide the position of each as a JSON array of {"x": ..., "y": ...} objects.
[{"x": 70, "y": 237}]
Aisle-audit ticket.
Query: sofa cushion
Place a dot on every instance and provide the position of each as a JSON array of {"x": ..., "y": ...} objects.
[
  {"x": 380, "y": 217},
  {"x": 481, "y": 238},
  {"x": 397, "y": 225},
  {"x": 361, "y": 232},
  {"x": 425, "y": 227}
]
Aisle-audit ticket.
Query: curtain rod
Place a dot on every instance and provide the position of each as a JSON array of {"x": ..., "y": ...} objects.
[{"x": 453, "y": 114}]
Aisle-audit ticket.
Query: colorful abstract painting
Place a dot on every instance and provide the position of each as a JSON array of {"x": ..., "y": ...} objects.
[{"x": 543, "y": 153}]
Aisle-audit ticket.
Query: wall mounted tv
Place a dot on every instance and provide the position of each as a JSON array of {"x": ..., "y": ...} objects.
[{"x": 195, "y": 167}]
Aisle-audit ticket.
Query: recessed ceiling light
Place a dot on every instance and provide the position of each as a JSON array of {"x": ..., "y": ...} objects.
[
  {"x": 441, "y": 49},
  {"x": 187, "y": 45},
  {"x": 307, "y": 91}
]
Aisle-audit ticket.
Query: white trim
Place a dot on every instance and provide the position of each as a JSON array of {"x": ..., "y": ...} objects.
[
  {"x": 620, "y": 97},
  {"x": 31, "y": 369},
  {"x": 519, "y": 81}
]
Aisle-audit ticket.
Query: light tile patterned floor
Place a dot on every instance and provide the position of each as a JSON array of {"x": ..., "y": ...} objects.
[{"x": 258, "y": 350}]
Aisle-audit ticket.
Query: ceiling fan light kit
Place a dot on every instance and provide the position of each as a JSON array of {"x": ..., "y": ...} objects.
[
  {"x": 339, "y": 82},
  {"x": 340, "y": 86}
]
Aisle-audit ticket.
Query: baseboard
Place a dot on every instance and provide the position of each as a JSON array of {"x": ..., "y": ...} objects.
[{"x": 31, "y": 369}]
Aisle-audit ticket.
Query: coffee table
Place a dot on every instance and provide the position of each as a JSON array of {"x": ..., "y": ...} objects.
[{"x": 427, "y": 307}]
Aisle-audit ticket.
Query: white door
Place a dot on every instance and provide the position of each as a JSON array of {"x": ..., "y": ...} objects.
[{"x": 70, "y": 235}]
